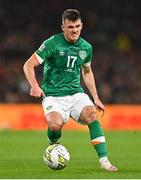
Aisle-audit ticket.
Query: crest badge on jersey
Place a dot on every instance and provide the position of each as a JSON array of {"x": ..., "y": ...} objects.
[{"x": 82, "y": 54}]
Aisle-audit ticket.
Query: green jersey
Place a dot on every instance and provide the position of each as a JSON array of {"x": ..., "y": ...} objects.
[{"x": 62, "y": 64}]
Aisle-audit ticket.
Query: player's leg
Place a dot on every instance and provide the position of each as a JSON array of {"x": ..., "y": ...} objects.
[
  {"x": 54, "y": 118},
  {"x": 88, "y": 116},
  {"x": 85, "y": 112},
  {"x": 55, "y": 124}
]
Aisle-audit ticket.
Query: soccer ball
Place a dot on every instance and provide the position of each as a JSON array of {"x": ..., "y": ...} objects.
[{"x": 56, "y": 156}]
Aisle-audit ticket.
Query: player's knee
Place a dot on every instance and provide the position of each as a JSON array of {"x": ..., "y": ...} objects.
[
  {"x": 55, "y": 126},
  {"x": 54, "y": 122},
  {"x": 89, "y": 115}
]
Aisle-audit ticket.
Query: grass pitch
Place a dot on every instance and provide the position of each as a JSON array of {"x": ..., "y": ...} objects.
[{"x": 21, "y": 156}]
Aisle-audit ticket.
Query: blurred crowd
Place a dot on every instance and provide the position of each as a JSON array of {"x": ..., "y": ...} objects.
[{"x": 113, "y": 28}]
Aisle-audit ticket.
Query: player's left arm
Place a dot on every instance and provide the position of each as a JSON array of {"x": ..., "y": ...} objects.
[{"x": 89, "y": 79}]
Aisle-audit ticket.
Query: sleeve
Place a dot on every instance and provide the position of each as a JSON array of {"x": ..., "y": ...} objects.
[
  {"x": 45, "y": 51},
  {"x": 89, "y": 57}
]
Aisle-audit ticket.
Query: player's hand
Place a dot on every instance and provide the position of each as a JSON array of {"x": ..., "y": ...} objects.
[
  {"x": 99, "y": 106},
  {"x": 36, "y": 92}
]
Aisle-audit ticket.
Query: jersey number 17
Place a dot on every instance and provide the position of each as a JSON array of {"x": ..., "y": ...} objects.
[{"x": 71, "y": 61}]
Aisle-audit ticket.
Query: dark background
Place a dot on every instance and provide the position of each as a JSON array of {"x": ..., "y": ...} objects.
[{"x": 113, "y": 27}]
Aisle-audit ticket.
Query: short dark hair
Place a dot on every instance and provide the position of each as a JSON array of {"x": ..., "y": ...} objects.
[{"x": 71, "y": 14}]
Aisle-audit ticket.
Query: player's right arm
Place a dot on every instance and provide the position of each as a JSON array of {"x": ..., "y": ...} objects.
[
  {"x": 29, "y": 70},
  {"x": 42, "y": 54}
]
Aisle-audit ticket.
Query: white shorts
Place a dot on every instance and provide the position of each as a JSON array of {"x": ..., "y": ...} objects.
[{"x": 67, "y": 106}]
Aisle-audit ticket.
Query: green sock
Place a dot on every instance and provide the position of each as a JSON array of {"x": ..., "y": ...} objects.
[
  {"x": 98, "y": 138},
  {"x": 53, "y": 136}
]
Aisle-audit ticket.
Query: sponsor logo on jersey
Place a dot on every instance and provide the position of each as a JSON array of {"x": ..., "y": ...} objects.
[
  {"x": 82, "y": 54},
  {"x": 62, "y": 53}
]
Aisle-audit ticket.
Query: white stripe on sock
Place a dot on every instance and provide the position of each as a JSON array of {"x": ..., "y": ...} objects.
[{"x": 101, "y": 139}]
